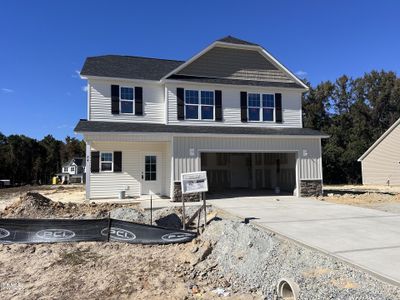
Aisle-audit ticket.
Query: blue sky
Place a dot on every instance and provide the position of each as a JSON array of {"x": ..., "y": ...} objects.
[{"x": 44, "y": 44}]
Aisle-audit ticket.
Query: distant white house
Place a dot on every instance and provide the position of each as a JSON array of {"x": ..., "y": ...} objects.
[
  {"x": 73, "y": 171},
  {"x": 381, "y": 162}
]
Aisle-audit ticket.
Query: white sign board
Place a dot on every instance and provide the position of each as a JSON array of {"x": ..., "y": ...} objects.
[{"x": 195, "y": 182}]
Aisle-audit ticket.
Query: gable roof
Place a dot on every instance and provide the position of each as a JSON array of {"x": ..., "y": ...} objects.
[
  {"x": 79, "y": 161},
  {"x": 144, "y": 68},
  {"x": 232, "y": 40},
  {"x": 129, "y": 127},
  {"x": 378, "y": 141},
  {"x": 129, "y": 67}
]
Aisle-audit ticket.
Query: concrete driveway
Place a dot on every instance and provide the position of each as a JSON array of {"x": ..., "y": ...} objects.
[{"x": 364, "y": 237}]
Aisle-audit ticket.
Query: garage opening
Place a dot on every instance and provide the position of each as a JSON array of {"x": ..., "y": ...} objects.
[{"x": 250, "y": 173}]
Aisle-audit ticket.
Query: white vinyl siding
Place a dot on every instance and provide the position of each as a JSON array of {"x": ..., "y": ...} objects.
[
  {"x": 291, "y": 106},
  {"x": 109, "y": 184},
  {"x": 308, "y": 151},
  {"x": 382, "y": 164},
  {"x": 100, "y": 102}
]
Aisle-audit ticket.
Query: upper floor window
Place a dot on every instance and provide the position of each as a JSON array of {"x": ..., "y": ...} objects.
[
  {"x": 199, "y": 105},
  {"x": 72, "y": 169},
  {"x": 126, "y": 101},
  {"x": 65, "y": 169},
  {"x": 261, "y": 107}
]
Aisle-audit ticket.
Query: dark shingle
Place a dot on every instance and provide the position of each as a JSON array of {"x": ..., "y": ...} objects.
[
  {"x": 130, "y": 67},
  {"x": 236, "y": 81},
  {"x": 232, "y": 40},
  {"x": 101, "y": 126}
]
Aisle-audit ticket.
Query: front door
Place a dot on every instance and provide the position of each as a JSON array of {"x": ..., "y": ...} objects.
[{"x": 151, "y": 173}]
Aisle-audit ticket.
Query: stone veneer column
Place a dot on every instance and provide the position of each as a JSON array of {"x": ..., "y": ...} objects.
[{"x": 310, "y": 188}]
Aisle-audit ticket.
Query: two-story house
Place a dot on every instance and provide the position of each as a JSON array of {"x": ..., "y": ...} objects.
[
  {"x": 73, "y": 171},
  {"x": 232, "y": 110}
]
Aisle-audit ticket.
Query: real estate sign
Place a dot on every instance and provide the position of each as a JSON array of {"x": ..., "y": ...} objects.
[{"x": 195, "y": 182}]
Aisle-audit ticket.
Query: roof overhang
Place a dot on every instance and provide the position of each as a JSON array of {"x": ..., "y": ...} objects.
[{"x": 125, "y": 128}]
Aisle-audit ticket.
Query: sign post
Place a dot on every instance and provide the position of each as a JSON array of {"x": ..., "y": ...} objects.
[{"x": 194, "y": 182}]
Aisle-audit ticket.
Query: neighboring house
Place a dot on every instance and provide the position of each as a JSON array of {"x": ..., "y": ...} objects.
[
  {"x": 73, "y": 171},
  {"x": 232, "y": 110},
  {"x": 380, "y": 164}
]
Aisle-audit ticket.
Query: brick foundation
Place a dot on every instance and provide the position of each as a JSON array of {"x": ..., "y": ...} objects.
[
  {"x": 177, "y": 197},
  {"x": 310, "y": 188}
]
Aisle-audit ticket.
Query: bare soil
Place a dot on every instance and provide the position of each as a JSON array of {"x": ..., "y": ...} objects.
[
  {"x": 384, "y": 201},
  {"x": 92, "y": 270}
]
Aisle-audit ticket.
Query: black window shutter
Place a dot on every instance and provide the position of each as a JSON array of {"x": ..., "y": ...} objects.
[
  {"x": 180, "y": 101},
  {"x": 218, "y": 106},
  {"x": 243, "y": 106},
  {"x": 117, "y": 161},
  {"x": 138, "y": 101},
  {"x": 115, "y": 99},
  {"x": 278, "y": 108},
  {"x": 95, "y": 161}
]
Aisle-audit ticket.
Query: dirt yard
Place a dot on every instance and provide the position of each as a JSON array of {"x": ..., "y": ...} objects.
[
  {"x": 63, "y": 193},
  {"x": 230, "y": 260},
  {"x": 376, "y": 197}
]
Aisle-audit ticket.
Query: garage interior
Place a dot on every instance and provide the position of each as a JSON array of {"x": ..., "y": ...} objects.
[{"x": 248, "y": 174}]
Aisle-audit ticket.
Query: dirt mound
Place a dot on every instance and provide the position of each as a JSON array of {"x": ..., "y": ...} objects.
[{"x": 34, "y": 205}]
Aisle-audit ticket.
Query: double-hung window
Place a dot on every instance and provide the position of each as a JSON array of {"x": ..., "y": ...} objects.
[
  {"x": 199, "y": 105},
  {"x": 127, "y": 100},
  {"x": 261, "y": 107},
  {"x": 106, "y": 162}
]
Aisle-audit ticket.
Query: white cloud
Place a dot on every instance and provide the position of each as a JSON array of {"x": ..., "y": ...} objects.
[
  {"x": 84, "y": 88},
  {"x": 7, "y": 91},
  {"x": 77, "y": 74},
  {"x": 301, "y": 73}
]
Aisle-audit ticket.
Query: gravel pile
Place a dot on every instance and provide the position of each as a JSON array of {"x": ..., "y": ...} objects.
[{"x": 254, "y": 260}]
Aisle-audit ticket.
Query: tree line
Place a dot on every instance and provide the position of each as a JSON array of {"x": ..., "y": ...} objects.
[
  {"x": 355, "y": 113},
  {"x": 24, "y": 160}
]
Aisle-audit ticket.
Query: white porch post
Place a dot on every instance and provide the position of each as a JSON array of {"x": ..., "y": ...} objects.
[{"x": 88, "y": 170}]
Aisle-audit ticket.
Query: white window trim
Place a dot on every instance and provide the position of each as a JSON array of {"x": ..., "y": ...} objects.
[
  {"x": 261, "y": 119},
  {"x": 107, "y": 161},
  {"x": 126, "y": 100},
  {"x": 199, "y": 106}
]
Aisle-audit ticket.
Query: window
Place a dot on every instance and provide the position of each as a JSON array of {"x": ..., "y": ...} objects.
[
  {"x": 261, "y": 107},
  {"x": 150, "y": 168},
  {"x": 126, "y": 101},
  {"x": 72, "y": 169},
  {"x": 199, "y": 109},
  {"x": 106, "y": 162},
  {"x": 65, "y": 169}
]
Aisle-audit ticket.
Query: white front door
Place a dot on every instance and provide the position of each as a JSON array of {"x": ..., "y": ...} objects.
[{"x": 151, "y": 174}]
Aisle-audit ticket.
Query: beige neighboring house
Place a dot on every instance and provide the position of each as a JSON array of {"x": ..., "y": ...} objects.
[{"x": 381, "y": 162}]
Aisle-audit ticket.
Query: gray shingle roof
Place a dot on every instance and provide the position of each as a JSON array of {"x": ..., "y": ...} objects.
[
  {"x": 232, "y": 40},
  {"x": 130, "y": 67},
  {"x": 236, "y": 81},
  {"x": 101, "y": 126}
]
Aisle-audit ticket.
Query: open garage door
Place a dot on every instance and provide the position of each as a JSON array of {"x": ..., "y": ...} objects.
[{"x": 250, "y": 173}]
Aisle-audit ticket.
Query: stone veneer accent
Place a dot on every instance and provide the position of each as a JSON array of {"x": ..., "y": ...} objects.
[
  {"x": 177, "y": 197},
  {"x": 310, "y": 188}
]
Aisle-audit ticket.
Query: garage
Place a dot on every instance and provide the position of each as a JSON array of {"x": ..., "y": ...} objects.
[{"x": 250, "y": 173}]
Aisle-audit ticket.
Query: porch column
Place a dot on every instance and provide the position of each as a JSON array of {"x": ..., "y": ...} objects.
[{"x": 88, "y": 170}]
